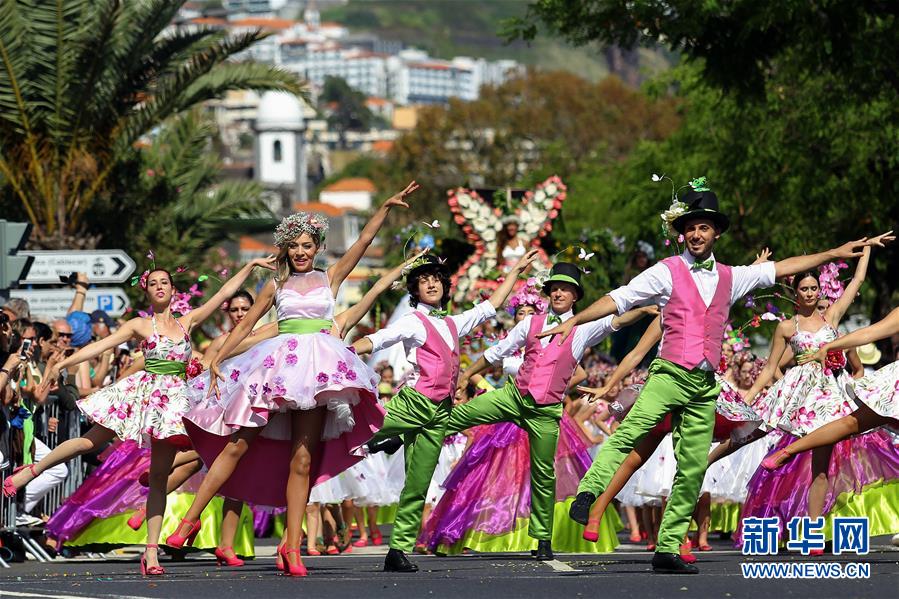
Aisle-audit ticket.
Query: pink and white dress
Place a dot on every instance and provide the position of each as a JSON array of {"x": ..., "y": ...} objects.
[
  {"x": 880, "y": 392},
  {"x": 808, "y": 396},
  {"x": 293, "y": 371},
  {"x": 146, "y": 405}
]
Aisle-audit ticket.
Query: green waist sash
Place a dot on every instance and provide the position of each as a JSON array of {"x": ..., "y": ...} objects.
[
  {"x": 166, "y": 367},
  {"x": 303, "y": 326}
]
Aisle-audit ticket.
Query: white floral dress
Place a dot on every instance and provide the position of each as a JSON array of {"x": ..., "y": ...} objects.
[
  {"x": 880, "y": 392},
  {"x": 808, "y": 396},
  {"x": 146, "y": 405}
]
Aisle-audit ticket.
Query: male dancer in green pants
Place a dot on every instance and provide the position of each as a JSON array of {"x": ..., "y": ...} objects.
[
  {"x": 534, "y": 400},
  {"x": 421, "y": 409},
  {"x": 695, "y": 294}
]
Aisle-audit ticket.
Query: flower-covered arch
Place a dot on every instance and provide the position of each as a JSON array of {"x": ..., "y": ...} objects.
[{"x": 481, "y": 222}]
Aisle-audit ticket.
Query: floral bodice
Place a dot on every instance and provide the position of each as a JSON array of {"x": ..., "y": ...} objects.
[
  {"x": 159, "y": 347},
  {"x": 305, "y": 295},
  {"x": 803, "y": 342}
]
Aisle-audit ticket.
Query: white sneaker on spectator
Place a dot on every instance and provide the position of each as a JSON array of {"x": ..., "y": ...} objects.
[
  {"x": 28, "y": 520},
  {"x": 896, "y": 540}
]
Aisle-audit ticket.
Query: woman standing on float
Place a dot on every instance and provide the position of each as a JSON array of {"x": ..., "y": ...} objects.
[{"x": 306, "y": 396}]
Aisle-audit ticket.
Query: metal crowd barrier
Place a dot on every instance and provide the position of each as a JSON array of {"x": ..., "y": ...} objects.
[{"x": 56, "y": 496}]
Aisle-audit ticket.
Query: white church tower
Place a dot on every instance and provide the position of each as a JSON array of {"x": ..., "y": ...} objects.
[{"x": 280, "y": 151}]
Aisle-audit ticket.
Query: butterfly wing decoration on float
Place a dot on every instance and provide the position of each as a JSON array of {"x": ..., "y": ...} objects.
[{"x": 481, "y": 222}]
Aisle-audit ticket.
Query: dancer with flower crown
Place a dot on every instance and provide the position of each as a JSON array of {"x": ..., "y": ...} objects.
[
  {"x": 421, "y": 410},
  {"x": 296, "y": 407},
  {"x": 486, "y": 505},
  {"x": 695, "y": 294},
  {"x": 534, "y": 400},
  {"x": 146, "y": 406},
  {"x": 808, "y": 397}
]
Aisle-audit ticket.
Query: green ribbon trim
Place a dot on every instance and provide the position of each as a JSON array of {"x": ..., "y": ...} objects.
[
  {"x": 303, "y": 326},
  {"x": 114, "y": 530},
  {"x": 170, "y": 367},
  {"x": 567, "y": 536}
]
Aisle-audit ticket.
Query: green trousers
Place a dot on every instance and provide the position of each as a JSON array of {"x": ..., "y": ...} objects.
[
  {"x": 422, "y": 423},
  {"x": 689, "y": 395},
  {"x": 541, "y": 423}
]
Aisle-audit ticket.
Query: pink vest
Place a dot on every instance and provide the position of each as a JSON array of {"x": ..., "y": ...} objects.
[
  {"x": 546, "y": 371},
  {"x": 692, "y": 332},
  {"x": 438, "y": 365}
]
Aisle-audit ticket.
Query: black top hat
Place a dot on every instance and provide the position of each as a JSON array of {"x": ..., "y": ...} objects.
[
  {"x": 701, "y": 203},
  {"x": 565, "y": 272},
  {"x": 426, "y": 262}
]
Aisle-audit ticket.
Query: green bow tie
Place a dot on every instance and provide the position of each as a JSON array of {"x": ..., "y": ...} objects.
[
  {"x": 441, "y": 314},
  {"x": 704, "y": 265},
  {"x": 553, "y": 319}
]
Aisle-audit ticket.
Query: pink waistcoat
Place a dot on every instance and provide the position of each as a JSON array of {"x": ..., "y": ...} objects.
[
  {"x": 438, "y": 365},
  {"x": 692, "y": 332},
  {"x": 546, "y": 371}
]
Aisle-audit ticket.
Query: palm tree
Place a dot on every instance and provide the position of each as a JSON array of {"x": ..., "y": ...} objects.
[{"x": 82, "y": 81}]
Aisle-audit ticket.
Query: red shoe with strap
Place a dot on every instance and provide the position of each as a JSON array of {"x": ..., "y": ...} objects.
[
  {"x": 150, "y": 570},
  {"x": 178, "y": 540},
  {"x": 9, "y": 488},
  {"x": 591, "y": 532},
  {"x": 222, "y": 557},
  {"x": 289, "y": 568},
  {"x": 137, "y": 519},
  {"x": 376, "y": 538},
  {"x": 776, "y": 460},
  {"x": 686, "y": 554}
]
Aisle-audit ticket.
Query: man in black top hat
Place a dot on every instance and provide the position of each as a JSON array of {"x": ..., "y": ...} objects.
[{"x": 695, "y": 295}]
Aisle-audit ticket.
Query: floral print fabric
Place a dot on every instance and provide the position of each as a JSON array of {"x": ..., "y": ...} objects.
[{"x": 145, "y": 405}]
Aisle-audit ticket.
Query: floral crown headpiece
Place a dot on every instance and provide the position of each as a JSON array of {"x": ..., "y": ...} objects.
[
  {"x": 735, "y": 338},
  {"x": 528, "y": 295},
  {"x": 296, "y": 224},
  {"x": 677, "y": 208}
]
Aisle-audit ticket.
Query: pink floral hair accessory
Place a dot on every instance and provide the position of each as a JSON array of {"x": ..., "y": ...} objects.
[
  {"x": 298, "y": 223},
  {"x": 528, "y": 295}
]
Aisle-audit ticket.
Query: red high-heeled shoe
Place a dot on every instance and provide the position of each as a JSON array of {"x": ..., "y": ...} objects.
[
  {"x": 776, "y": 460},
  {"x": 591, "y": 532},
  {"x": 10, "y": 489},
  {"x": 291, "y": 569},
  {"x": 137, "y": 519},
  {"x": 686, "y": 554},
  {"x": 311, "y": 552},
  {"x": 360, "y": 543},
  {"x": 651, "y": 547},
  {"x": 279, "y": 563},
  {"x": 376, "y": 538},
  {"x": 229, "y": 560},
  {"x": 177, "y": 541},
  {"x": 146, "y": 570},
  {"x": 635, "y": 537}
]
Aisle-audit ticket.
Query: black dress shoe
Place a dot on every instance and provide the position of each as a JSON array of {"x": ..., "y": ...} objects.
[
  {"x": 396, "y": 561},
  {"x": 671, "y": 563},
  {"x": 389, "y": 445},
  {"x": 580, "y": 507},
  {"x": 544, "y": 551}
]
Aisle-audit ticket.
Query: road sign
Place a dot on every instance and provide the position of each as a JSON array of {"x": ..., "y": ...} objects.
[
  {"x": 13, "y": 264},
  {"x": 101, "y": 266},
  {"x": 55, "y": 302}
]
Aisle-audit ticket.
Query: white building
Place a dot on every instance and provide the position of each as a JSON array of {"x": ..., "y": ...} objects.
[
  {"x": 280, "y": 151},
  {"x": 350, "y": 192}
]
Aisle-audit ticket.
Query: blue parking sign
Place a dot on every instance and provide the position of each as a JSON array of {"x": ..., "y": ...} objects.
[{"x": 105, "y": 302}]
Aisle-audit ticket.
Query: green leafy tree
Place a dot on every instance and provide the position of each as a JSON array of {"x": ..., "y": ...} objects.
[{"x": 83, "y": 81}]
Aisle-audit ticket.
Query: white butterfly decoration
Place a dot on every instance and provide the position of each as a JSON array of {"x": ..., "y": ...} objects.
[
  {"x": 481, "y": 222},
  {"x": 583, "y": 255},
  {"x": 432, "y": 225}
]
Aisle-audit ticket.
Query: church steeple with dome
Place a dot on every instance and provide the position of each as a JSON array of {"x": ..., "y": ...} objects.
[{"x": 280, "y": 151}]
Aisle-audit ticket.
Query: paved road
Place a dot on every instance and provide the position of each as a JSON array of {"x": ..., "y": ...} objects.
[{"x": 626, "y": 573}]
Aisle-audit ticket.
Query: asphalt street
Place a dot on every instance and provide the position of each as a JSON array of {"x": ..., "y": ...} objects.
[{"x": 626, "y": 573}]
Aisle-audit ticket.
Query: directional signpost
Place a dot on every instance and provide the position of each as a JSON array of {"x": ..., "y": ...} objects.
[
  {"x": 55, "y": 302},
  {"x": 101, "y": 266}
]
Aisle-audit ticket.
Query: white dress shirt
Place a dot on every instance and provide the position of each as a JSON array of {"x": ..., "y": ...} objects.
[
  {"x": 654, "y": 285},
  {"x": 585, "y": 335},
  {"x": 412, "y": 333}
]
